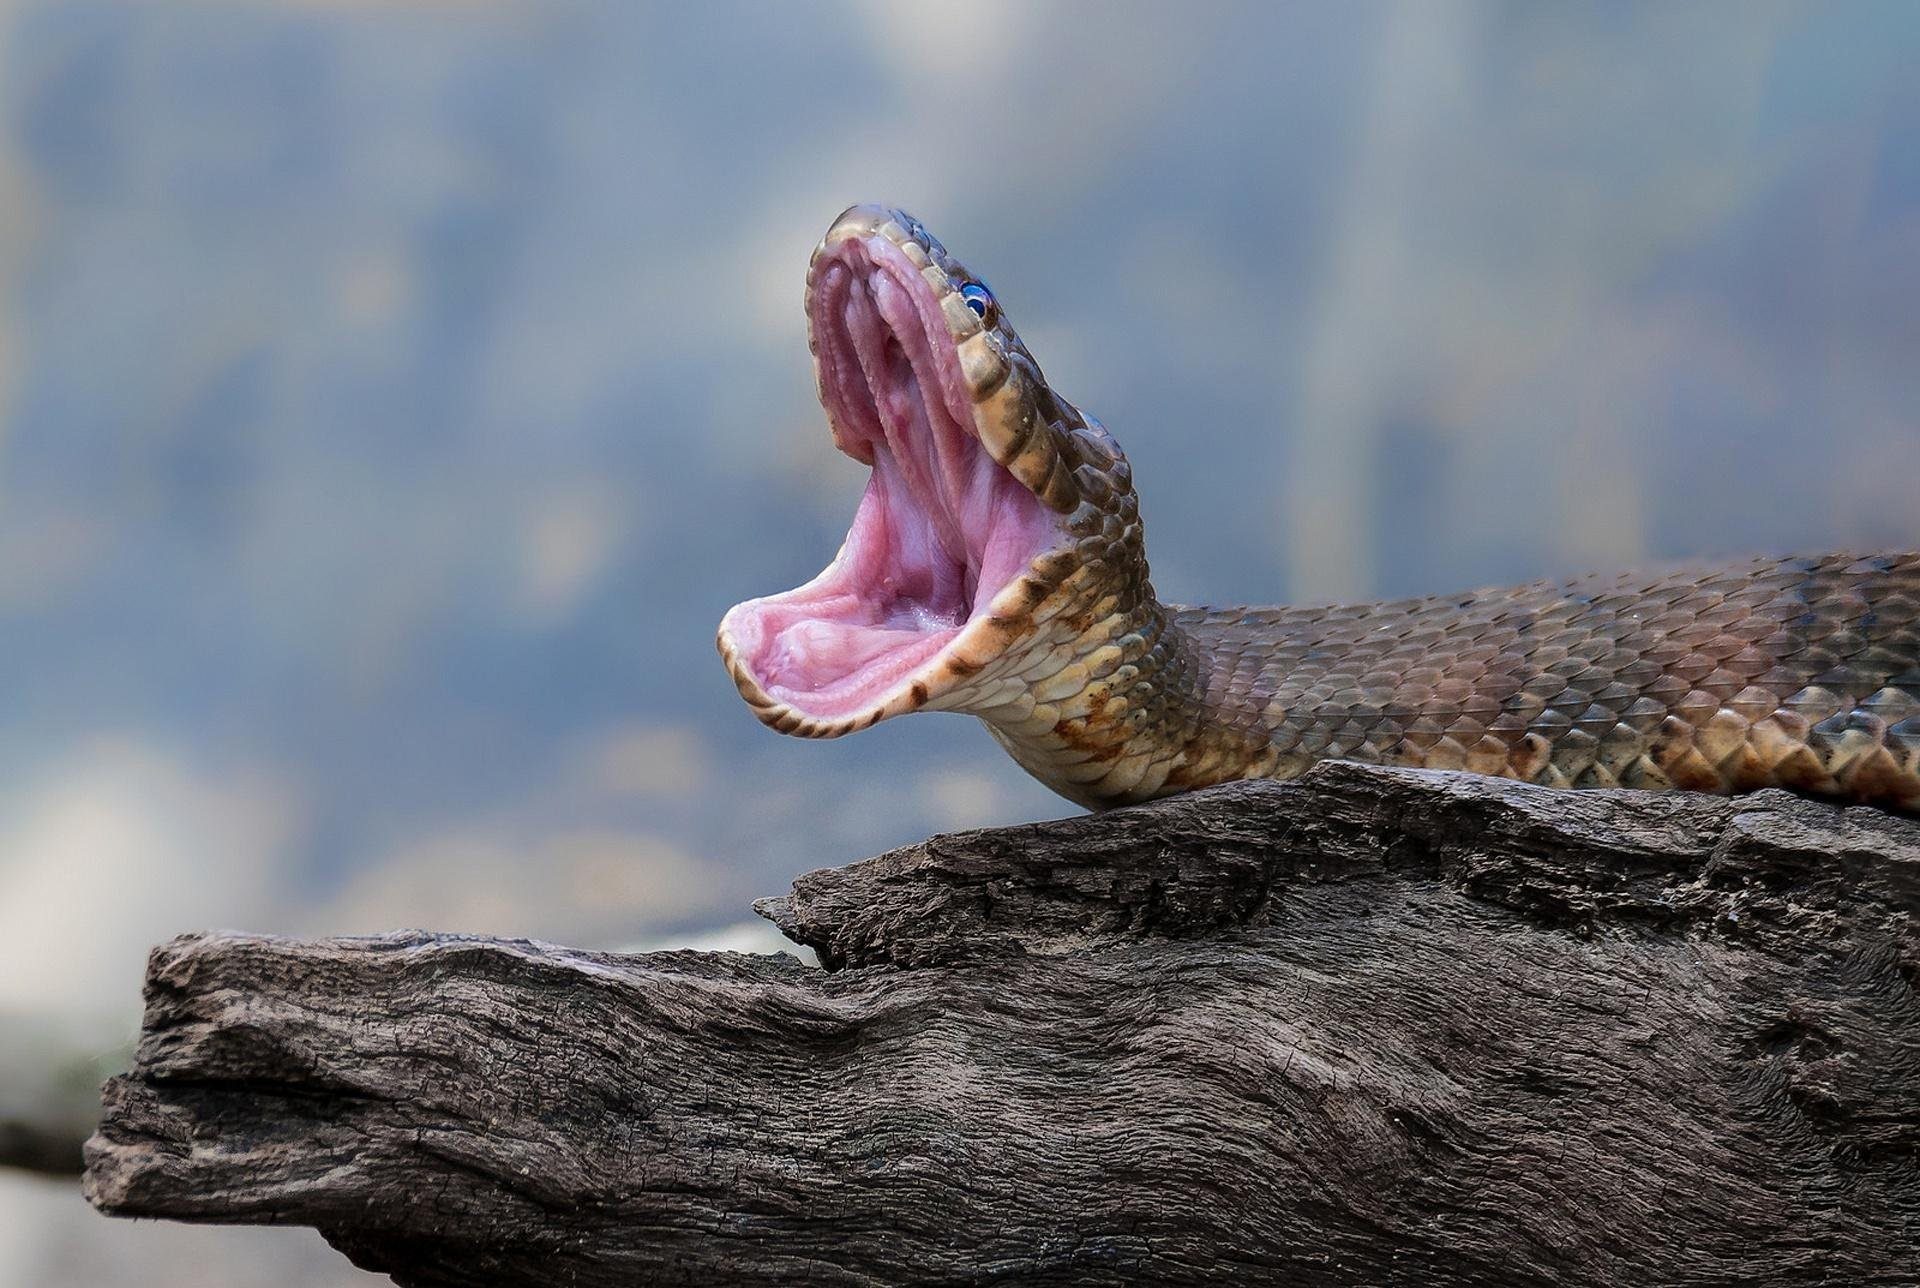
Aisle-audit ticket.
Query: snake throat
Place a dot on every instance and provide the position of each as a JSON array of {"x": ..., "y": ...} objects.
[{"x": 905, "y": 610}]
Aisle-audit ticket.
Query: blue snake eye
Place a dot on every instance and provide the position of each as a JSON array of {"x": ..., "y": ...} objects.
[{"x": 981, "y": 301}]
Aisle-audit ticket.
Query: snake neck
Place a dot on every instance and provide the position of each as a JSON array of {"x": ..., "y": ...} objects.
[{"x": 1117, "y": 698}]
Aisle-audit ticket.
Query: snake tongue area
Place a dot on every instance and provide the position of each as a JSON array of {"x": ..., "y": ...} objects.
[{"x": 940, "y": 532}]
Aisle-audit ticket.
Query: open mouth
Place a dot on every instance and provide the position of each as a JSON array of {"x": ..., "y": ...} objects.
[{"x": 906, "y": 608}]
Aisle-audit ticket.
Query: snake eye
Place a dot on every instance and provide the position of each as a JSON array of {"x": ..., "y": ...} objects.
[{"x": 978, "y": 298}]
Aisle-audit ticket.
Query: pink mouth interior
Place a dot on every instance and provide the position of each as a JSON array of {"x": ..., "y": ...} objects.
[{"x": 942, "y": 527}]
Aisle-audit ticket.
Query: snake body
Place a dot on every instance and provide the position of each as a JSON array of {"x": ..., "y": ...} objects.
[{"x": 1802, "y": 673}]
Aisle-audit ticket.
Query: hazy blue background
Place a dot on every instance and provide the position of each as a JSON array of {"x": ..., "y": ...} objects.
[{"x": 393, "y": 396}]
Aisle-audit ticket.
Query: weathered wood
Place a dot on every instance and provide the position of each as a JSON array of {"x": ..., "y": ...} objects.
[{"x": 1374, "y": 1027}]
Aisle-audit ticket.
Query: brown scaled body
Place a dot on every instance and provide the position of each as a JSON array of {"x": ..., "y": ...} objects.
[{"x": 1796, "y": 673}]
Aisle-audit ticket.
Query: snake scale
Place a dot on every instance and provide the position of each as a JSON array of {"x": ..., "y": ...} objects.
[{"x": 997, "y": 567}]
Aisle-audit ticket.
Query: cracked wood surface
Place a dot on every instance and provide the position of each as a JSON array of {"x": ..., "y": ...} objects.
[{"x": 1375, "y": 1026}]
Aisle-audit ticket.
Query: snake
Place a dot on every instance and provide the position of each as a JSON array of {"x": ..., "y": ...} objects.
[{"x": 996, "y": 566}]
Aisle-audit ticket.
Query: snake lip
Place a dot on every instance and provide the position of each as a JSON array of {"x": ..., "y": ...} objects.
[{"x": 935, "y": 571}]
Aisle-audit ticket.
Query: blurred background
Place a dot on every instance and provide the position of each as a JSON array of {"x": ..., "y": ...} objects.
[{"x": 393, "y": 396}]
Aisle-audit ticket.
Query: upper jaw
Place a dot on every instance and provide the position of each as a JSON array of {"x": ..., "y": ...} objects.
[
  {"x": 1009, "y": 397},
  {"x": 891, "y": 245}
]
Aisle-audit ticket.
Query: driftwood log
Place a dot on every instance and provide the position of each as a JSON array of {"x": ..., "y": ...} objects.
[{"x": 1372, "y": 1027}]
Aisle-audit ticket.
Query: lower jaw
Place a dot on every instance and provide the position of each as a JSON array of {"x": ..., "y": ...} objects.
[{"x": 938, "y": 673}]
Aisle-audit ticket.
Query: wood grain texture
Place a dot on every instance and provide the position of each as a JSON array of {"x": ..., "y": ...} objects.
[{"x": 1373, "y": 1026}]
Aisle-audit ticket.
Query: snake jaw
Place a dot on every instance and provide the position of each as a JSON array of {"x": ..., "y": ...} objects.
[{"x": 968, "y": 516}]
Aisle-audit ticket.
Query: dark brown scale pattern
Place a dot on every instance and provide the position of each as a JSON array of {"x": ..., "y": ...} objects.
[{"x": 1799, "y": 673}]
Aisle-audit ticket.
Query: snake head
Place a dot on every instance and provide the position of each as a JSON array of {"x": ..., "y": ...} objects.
[{"x": 993, "y": 504}]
